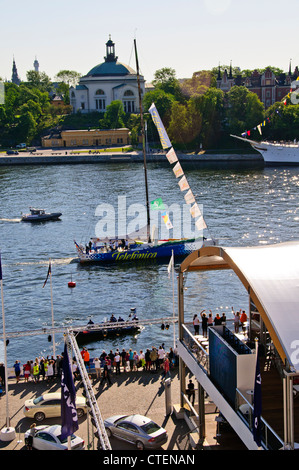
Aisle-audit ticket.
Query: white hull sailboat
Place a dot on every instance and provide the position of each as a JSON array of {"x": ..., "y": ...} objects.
[{"x": 133, "y": 248}]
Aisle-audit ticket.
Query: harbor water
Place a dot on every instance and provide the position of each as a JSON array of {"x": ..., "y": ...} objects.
[{"x": 243, "y": 206}]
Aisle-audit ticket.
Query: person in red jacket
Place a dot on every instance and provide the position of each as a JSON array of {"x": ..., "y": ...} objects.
[{"x": 243, "y": 320}]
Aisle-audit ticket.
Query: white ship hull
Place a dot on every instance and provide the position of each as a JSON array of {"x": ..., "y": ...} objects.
[{"x": 276, "y": 153}]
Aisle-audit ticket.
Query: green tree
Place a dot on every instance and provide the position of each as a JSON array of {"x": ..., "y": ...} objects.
[
  {"x": 114, "y": 116},
  {"x": 165, "y": 79},
  {"x": 185, "y": 125},
  {"x": 244, "y": 110},
  {"x": 210, "y": 105},
  {"x": 66, "y": 79},
  {"x": 39, "y": 80}
]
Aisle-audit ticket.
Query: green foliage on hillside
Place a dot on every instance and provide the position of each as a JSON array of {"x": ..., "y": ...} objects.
[{"x": 195, "y": 113}]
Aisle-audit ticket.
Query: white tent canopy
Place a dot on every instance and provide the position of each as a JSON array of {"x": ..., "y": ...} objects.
[{"x": 271, "y": 274}]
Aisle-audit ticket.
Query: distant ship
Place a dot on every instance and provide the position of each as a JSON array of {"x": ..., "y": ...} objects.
[{"x": 275, "y": 153}]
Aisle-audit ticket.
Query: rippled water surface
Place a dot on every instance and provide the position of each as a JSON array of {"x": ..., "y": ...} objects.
[{"x": 241, "y": 207}]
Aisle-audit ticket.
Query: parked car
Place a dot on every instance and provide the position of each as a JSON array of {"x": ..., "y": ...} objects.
[
  {"x": 137, "y": 429},
  {"x": 48, "y": 405},
  {"x": 21, "y": 146},
  {"x": 49, "y": 438},
  {"x": 12, "y": 152}
]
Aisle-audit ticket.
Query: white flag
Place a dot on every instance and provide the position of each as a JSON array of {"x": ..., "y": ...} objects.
[
  {"x": 171, "y": 156},
  {"x": 178, "y": 170},
  {"x": 183, "y": 184},
  {"x": 200, "y": 224},
  {"x": 189, "y": 198},
  {"x": 194, "y": 211},
  {"x": 171, "y": 264}
]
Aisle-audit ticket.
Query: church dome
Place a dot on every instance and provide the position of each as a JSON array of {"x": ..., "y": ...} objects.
[{"x": 111, "y": 66}]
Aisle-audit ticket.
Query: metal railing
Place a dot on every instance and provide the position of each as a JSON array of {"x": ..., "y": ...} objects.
[
  {"x": 196, "y": 349},
  {"x": 244, "y": 409}
]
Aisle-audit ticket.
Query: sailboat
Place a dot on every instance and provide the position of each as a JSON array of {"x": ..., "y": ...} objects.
[{"x": 143, "y": 246}]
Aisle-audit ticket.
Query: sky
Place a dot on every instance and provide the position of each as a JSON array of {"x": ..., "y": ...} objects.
[{"x": 185, "y": 35}]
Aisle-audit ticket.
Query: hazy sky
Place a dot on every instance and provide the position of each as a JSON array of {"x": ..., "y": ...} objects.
[{"x": 186, "y": 35}]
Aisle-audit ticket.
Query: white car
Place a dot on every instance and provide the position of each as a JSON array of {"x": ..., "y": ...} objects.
[
  {"x": 48, "y": 405},
  {"x": 49, "y": 438}
]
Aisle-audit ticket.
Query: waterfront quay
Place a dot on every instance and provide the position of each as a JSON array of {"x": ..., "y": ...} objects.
[
  {"x": 89, "y": 156},
  {"x": 139, "y": 391}
]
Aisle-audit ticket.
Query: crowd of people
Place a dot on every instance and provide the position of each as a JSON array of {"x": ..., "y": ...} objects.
[
  {"x": 49, "y": 368},
  {"x": 128, "y": 360},
  {"x": 206, "y": 320}
]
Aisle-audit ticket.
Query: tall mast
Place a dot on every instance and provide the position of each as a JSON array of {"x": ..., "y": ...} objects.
[{"x": 143, "y": 145}]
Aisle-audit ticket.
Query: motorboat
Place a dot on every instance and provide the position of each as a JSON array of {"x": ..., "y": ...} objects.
[
  {"x": 39, "y": 215},
  {"x": 112, "y": 328}
]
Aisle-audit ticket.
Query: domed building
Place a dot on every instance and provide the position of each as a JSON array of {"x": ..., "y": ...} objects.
[{"x": 109, "y": 81}]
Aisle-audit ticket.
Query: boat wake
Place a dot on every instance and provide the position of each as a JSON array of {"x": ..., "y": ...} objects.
[
  {"x": 60, "y": 261},
  {"x": 3, "y": 219}
]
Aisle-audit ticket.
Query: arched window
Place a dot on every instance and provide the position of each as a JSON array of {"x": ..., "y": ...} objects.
[
  {"x": 128, "y": 93},
  {"x": 100, "y": 92}
]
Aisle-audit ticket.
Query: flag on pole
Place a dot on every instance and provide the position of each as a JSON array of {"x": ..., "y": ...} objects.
[
  {"x": 171, "y": 264},
  {"x": 69, "y": 417},
  {"x": 171, "y": 156},
  {"x": 49, "y": 272},
  {"x": 189, "y": 198},
  {"x": 183, "y": 184},
  {"x": 157, "y": 204},
  {"x": 166, "y": 219},
  {"x": 257, "y": 403},
  {"x": 178, "y": 170},
  {"x": 200, "y": 224},
  {"x": 165, "y": 142}
]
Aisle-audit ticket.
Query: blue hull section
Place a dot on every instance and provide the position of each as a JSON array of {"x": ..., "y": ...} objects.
[{"x": 144, "y": 253}]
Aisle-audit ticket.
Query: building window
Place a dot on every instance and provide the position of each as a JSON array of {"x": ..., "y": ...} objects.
[
  {"x": 129, "y": 106},
  {"x": 100, "y": 104},
  {"x": 119, "y": 140},
  {"x": 82, "y": 105},
  {"x": 85, "y": 141}
]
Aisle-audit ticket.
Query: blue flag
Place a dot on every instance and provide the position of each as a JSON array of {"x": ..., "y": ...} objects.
[
  {"x": 257, "y": 404},
  {"x": 165, "y": 142},
  {"x": 69, "y": 418}
]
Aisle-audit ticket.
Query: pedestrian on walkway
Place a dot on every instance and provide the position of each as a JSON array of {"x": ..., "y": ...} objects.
[
  {"x": 17, "y": 368},
  {"x": 97, "y": 366},
  {"x": 106, "y": 374},
  {"x": 117, "y": 359}
]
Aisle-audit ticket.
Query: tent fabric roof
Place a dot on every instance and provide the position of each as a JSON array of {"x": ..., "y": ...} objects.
[{"x": 271, "y": 274}]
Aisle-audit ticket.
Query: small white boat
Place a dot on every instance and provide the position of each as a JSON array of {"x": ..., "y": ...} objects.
[{"x": 39, "y": 215}]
